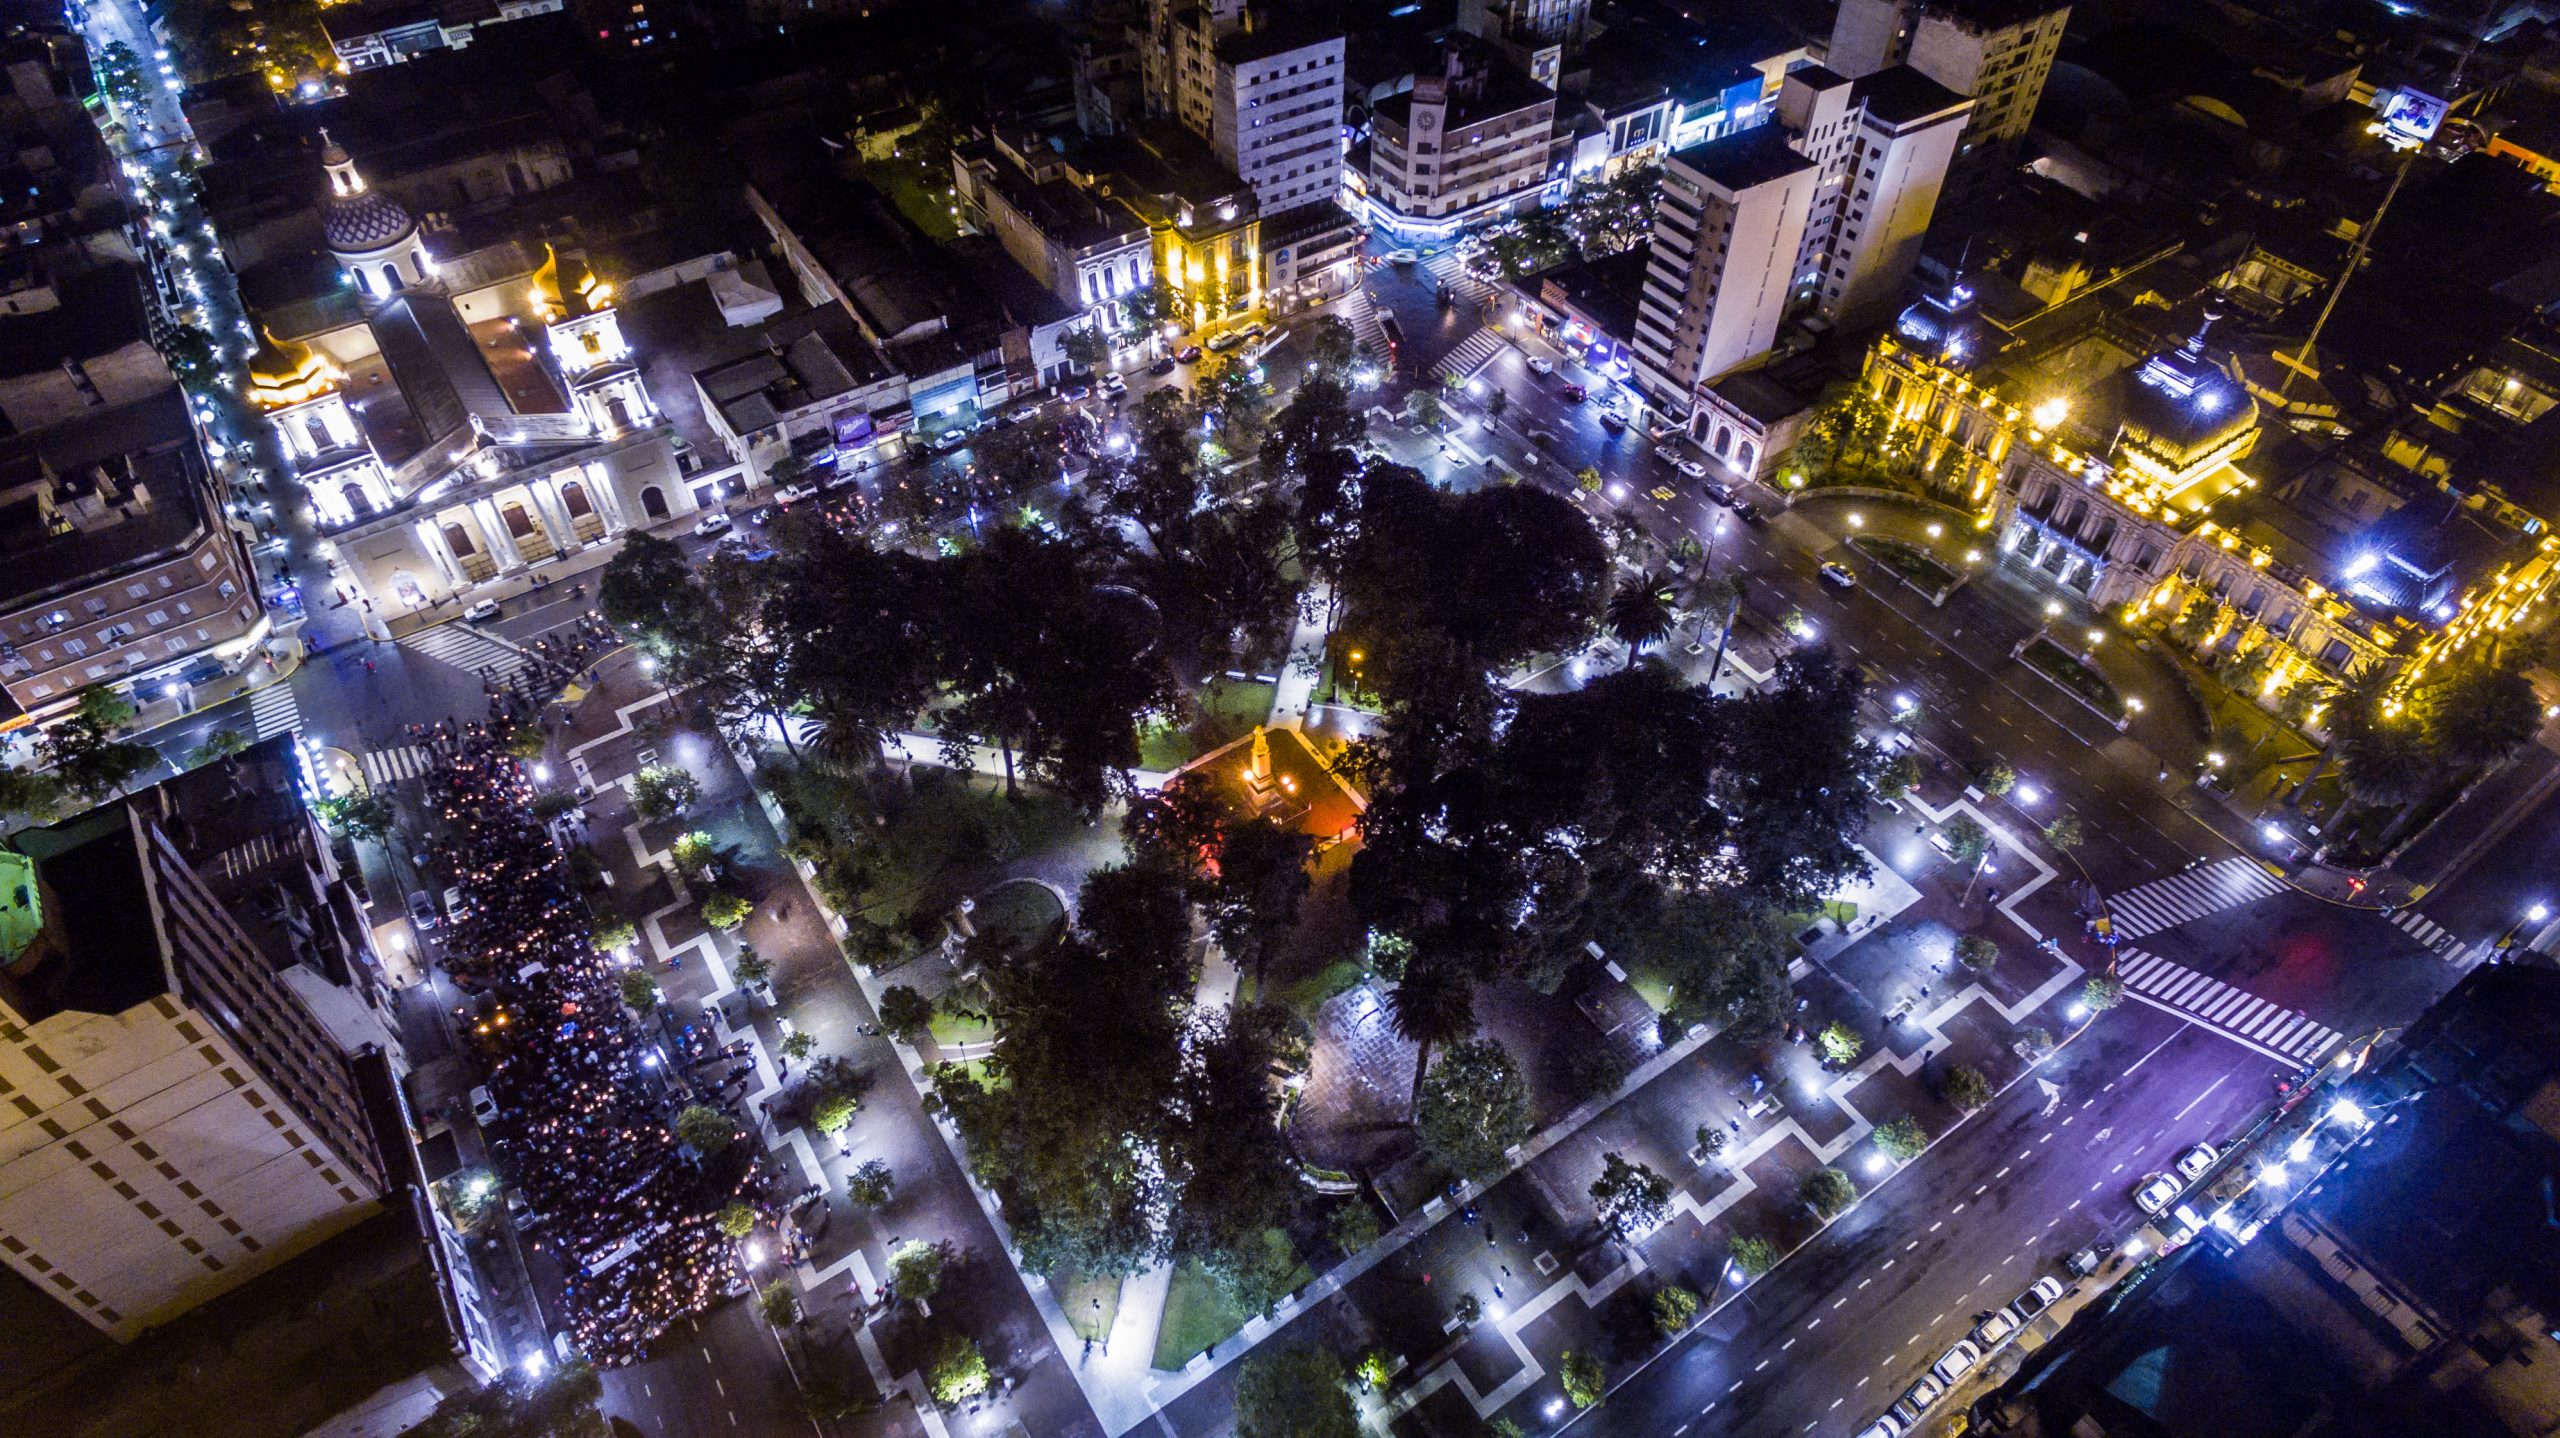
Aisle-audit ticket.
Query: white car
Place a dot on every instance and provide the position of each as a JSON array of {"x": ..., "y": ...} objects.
[
  {"x": 2196, "y": 1160},
  {"x": 799, "y": 493},
  {"x": 1232, "y": 339},
  {"x": 1917, "y": 1398},
  {"x": 481, "y": 613},
  {"x": 2040, "y": 1295},
  {"x": 1540, "y": 364},
  {"x": 484, "y": 1109},
  {"x": 1887, "y": 1426},
  {"x": 1995, "y": 1330},
  {"x": 2157, "y": 1192},
  {"x": 716, "y": 522},
  {"x": 1403, "y": 257},
  {"x": 1956, "y": 1362},
  {"x": 1838, "y": 576},
  {"x": 1114, "y": 384},
  {"x": 1690, "y": 467}
]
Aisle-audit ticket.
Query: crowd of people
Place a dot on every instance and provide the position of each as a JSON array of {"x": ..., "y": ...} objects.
[{"x": 630, "y": 1218}]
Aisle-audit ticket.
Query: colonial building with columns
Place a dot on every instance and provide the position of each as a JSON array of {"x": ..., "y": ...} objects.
[
  {"x": 454, "y": 420},
  {"x": 2123, "y": 478}
]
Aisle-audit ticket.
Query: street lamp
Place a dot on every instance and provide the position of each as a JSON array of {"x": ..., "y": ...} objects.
[
  {"x": 2532, "y": 915},
  {"x": 1936, "y": 529},
  {"x": 2053, "y": 609},
  {"x": 1857, "y": 521}
]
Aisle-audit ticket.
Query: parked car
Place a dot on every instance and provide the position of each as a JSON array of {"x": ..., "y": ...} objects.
[
  {"x": 1996, "y": 1329},
  {"x": 1113, "y": 384},
  {"x": 1956, "y": 1362},
  {"x": 950, "y": 439},
  {"x": 422, "y": 910},
  {"x": 1612, "y": 421},
  {"x": 484, "y": 1109},
  {"x": 1747, "y": 512},
  {"x": 2040, "y": 1295},
  {"x": 1574, "y": 393},
  {"x": 2195, "y": 1161},
  {"x": 1540, "y": 364},
  {"x": 453, "y": 903},
  {"x": 2157, "y": 1192},
  {"x": 1887, "y": 1426},
  {"x": 1720, "y": 493},
  {"x": 1231, "y": 340},
  {"x": 481, "y": 613},
  {"x": 1917, "y": 1398},
  {"x": 1838, "y": 576},
  {"x": 1188, "y": 354},
  {"x": 1689, "y": 467},
  {"x": 716, "y": 522},
  {"x": 1162, "y": 367},
  {"x": 1076, "y": 393},
  {"x": 797, "y": 492}
]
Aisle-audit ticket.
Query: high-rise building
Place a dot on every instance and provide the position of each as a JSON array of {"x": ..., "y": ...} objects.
[
  {"x": 1997, "y": 52},
  {"x": 1466, "y": 144},
  {"x": 1728, "y": 224},
  {"x": 1535, "y": 34},
  {"x": 196, "y": 1077},
  {"x": 1884, "y": 142},
  {"x": 1266, "y": 94}
]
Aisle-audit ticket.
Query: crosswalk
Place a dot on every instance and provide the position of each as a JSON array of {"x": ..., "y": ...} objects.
[
  {"x": 469, "y": 650},
  {"x": 2435, "y": 936},
  {"x": 1363, "y": 314},
  {"x": 1477, "y": 352},
  {"x": 272, "y": 711},
  {"x": 1446, "y": 268},
  {"x": 2285, "y": 1033},
  {"x": 386, "y": 767},
  {"x": 2182, "y": 898}
]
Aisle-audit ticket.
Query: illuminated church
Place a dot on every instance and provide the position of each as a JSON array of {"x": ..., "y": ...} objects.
[{"x": 455, "y": 419}]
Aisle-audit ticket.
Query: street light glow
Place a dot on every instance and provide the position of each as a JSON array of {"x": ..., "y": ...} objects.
[
  {"x": 2347, "y": 1111},
  {"x": 1857, "y": 521},
  {"x": 2538, "y": 913},
  {"x": 2053, "y": 609},
  {"x": 2273, "y": 833},
  {"x": 2271, "y": 1173},
  {"x": 1936, "y": 529},
  {"x": 1903, "y": 703},
  {"x": 2029, "y": 793},
  {"x": 2076, "y": 1012}
]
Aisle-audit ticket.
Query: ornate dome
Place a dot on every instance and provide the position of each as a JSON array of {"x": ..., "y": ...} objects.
[
  {"x": 565, "y": 289},
  {"x": 357, "y": 219},
  {"x": 2181, "y": 407},
  {"x": 284, "y": 373}
]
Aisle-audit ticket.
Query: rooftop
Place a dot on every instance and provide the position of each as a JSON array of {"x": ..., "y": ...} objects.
[
  {"x": 807, "y": 359},
  {"x": 148, "y": 452},
  {"x": 1274, "y": 35},
  {"x": 1746, "y": 158},
  {"x": 1904, "y": 96},
  {"x": 1759, "y": 394}
]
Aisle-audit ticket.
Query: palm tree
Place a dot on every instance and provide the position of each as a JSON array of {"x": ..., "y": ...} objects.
[
  {"x": 1726, "y": 591},
  {"x": 1434, "y": 1003},
  {"x": 1641, "y": 612},
  {"x": 2355, "y": 706},
  {"x": 843, "y": 742}
]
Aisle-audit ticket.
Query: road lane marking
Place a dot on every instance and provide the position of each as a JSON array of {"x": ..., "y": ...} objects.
[
  {"x": 1941, "y": 1223},
  {"x": 2199, "y": 1098},
  {"x": 1783, "y": 1347},
  {"x": 1763, "y": 1363},
  {"x": 1835, "y": 1303},
  {"x": 1817, "y": 1323},
  {"x": 1863, "y": 1282},
  {"x": 1959, "y": 1208},
  {"x": 2003, "y": 1173}
]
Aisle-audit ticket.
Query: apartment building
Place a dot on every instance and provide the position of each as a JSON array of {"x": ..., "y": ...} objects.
[
  {"x": 1466, "y": 144},
  {"x": 120, "y": 569},
  {"x": 200, "y": 1077},
  {"x": 1883, "y": 142},
  {"x": 1728, "y": 224},
  {"x": 1996, "y": 52},
  {"x": 1274, "y": 106}
]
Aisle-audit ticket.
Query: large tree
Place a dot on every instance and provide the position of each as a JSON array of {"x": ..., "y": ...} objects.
[
  {"x": 1432, "y": 1004},
  {"x": 1293, "y": 1393},
  {"x": 2484, "y": 714},
  {"x": 1252, "y": 898},
  {"x": 1238, "y": 1179},
  {"x": 1641, "y": 612},
  {"x": 1474, "y": 1107}
]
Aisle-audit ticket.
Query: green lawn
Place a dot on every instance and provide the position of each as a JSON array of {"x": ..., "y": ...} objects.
[
  {"x": 1653, "y": 987},
  {"x": 1304, "y": 996},
  {"x": 919, "y": 195},
  {"x": 1912, "y": 563},
  {"x": 1089, "y": 1303},
  {"x": 1197, "y": 1314},
  {"x": 953, "y": 1027},
  {"x": 1229, "y": 708},
  {"x": 2079, "y": 678}
]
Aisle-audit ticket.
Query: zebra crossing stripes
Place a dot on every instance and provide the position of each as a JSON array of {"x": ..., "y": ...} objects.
[
  {"x": 2271, "y": 1028},
  {"x": 1477, "y": 352},
  {"x": 2435, "y": 936},
  {"x": 2180, "y": 898},
  {"x": 272, "y": 711},
  {"x": 469, "y": 650},
  {"x": 386, "y": 767}
]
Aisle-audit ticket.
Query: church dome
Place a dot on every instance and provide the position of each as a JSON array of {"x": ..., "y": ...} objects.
[
  {"x": 565, "y": 289},
  {"x": 357, "y": 219},
  {"x": 284, "y": 373}
]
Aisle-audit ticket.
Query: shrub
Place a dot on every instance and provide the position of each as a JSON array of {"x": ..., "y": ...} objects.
[
  {"x": 1964, "y": 1086},
  {"x": 1840, "y": 1043},
  {"x": 1469, "y": 1310},
  {"x": 613, "y": 931},
  {"x": 778, "y": 1304},
  {"x": 1752, "y": 1254},
  {"x": 639, "y": 990},
  {"x": 834, "y": 1113},
  {"x": 725, "y": 911},
  {"x": 663, "y": 791},
  {"x": 1827, "y": 1191},
  {"x": 1673, "y": 1310},
  {"x": 1354, "y": 1226},
  {"x": 737, "y": 1220},
  {"x": 2102, "y": 992},
  {"x": 1967, "y": 841},
  {"x": 1585, "y": 1381},
  {"x": 1995, "y": 778},
  {"x": 1977, "y": 953},
  {"x": 1903, "y": 1138},
  {"x": 798, "y": 1046},
  {"x": 2063, "y": 833},
  {"x": 692, "y": 853},
  {"x": 870, "y": 1185},
  {"x": 959, "y": 1371},
  {"x": 1711, "y": 1140},
  {"x": 915, "y": 1272},
  {"x": 705, "y": 1130}
]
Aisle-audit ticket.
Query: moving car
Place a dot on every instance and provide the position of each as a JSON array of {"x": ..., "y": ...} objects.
[
  {"x": 1694, "y": 470},
  {"x": 1956, "y": 1362},
  {"x": 1188, "y": 354},
  {"x": 1232, "y": 339},
  {"x": 1540, "y": 364},
  {"x": 1574, "y": 393},
  {"x": 453, "y": 904},
  {"x": 1996, "y": 1329},
  {"x": 716, "y": 522},
  {"x": 950, "y": 439},
  {"x": 2157, "y": 1192},
  {"x": 422, "y": 910},
  {"x": 484, "y": 1109},
  {"x": 1075, "y": 392},
  {"x": 1162, "y": 367},
  {"x": 2040, "y": 1295},
  {"x": 1612, "y": 421},
  {"x": 2196, "y": 1160},
  {"x": 796, "y": 493},
  {"x": 1113, "y": 384},
  {"x": 481, "y": 613},
  {"x": 763, "y": 514},
  {"x": 1838, "y": 576},
  {"x": 1747, "y": 512},
  {"x": 1403, "y": 257}
]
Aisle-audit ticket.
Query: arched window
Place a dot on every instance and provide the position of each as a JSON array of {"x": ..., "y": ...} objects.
[
  {"x": 419, "y": 264},
  {"x": 1749, "y": 454},
  {"x": 458, "y": 539},
  {"x": 363, "y": 285},
  {"x": 573, "y": 498},
  {"x": 1724, "y": 442},
  {"x": 357, "y": 504},
  {"x": 653, "y": 502},
  {"x": 519, "y": 523}
]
